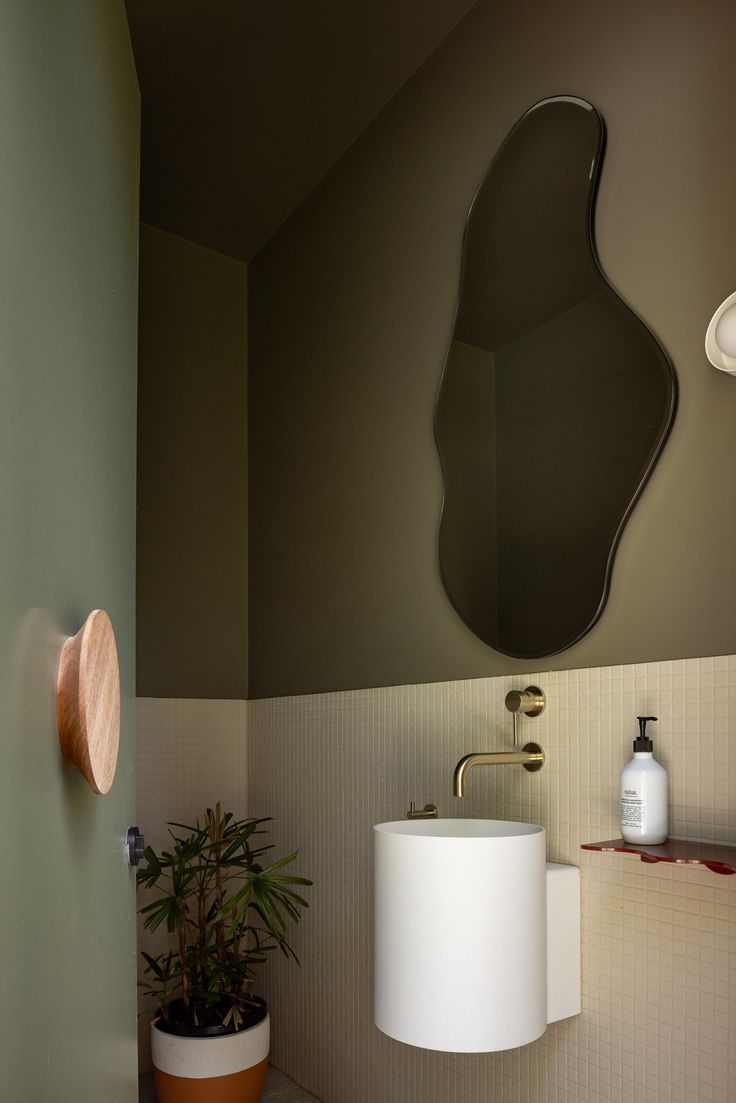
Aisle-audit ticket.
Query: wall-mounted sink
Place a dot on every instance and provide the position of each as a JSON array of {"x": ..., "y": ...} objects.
[
  {"x": 477, "y": 936},
  {"x": 461, "y": 933}
]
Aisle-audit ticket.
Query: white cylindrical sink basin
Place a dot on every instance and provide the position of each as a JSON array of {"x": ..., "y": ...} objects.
[{"x": 460, "y": 933}]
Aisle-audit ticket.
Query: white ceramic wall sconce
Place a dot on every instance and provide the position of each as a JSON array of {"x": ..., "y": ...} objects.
[
  {"x": 88, "y": 701},
  {"x": 720, "y": 337}
]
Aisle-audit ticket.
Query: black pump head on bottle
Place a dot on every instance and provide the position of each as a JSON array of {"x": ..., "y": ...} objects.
[{"x": 643, "y": 743}]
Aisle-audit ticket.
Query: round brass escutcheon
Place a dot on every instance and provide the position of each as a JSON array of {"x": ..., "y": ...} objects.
[
  {"x": 534, "y": 748},
  {"x": 529, "y": 701}
]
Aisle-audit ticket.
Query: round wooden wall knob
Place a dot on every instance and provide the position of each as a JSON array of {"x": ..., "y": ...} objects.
[{"x": 88, "y": 701}]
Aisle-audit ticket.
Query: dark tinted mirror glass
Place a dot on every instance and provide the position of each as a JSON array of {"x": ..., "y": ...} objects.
[{"x": 555, "y": 399}]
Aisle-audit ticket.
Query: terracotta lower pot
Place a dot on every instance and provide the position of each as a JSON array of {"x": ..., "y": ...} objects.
[{"x": 224, "y": 1068}]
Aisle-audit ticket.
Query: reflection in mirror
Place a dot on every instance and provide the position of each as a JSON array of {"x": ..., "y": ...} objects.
[{"x": 555, "y": 401}]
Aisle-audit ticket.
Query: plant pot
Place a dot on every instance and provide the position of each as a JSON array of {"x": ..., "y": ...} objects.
[{"x": 203, "y": 1065}]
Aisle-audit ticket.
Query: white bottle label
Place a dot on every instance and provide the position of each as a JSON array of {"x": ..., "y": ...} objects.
[{"x": 633, "y": 810}]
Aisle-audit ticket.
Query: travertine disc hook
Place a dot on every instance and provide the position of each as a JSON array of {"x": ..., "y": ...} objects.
[{"x": 88, "y": 701}]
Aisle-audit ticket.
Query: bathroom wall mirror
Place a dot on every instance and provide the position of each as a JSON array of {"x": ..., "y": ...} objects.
[{"x": 555, "y": 400}]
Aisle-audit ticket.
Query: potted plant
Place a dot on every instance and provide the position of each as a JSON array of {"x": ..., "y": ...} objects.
[{"x": 227, "y": 908}]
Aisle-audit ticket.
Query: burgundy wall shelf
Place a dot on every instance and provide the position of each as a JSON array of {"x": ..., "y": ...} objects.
[{"x": 717, "y": 858}]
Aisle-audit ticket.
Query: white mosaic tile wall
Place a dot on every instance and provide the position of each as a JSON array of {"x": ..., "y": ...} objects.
[
  {"x": 659, "y": 942},
  {"x": 190, "y": 754}
]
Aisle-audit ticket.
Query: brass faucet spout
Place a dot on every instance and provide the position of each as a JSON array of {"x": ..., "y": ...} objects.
[{"x": 531, "y": 758}]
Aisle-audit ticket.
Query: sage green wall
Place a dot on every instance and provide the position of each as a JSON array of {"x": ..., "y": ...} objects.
[
  {"x": 68, "y": 302},
  {"x": 192, "y": 477},
  {"x": 351, "y": 308}
]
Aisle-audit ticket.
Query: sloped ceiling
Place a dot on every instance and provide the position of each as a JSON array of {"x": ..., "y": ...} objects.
[{"x": 247, "y": 103}]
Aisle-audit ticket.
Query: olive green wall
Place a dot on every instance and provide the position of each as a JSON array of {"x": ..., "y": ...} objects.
[
  {"x": 192, "y": 477},
  {"x": 68, "y": 301},
  {"x": 351, "y": 307}
]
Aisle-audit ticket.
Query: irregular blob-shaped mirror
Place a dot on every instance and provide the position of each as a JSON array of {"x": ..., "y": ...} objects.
[{"x": 555, "y": 401}]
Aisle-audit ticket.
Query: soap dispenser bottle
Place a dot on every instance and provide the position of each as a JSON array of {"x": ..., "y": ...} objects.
[{"x": 644, "y": 793}]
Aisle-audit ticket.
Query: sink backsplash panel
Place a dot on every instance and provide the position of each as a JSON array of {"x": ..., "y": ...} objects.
[{"x": 658, "y": 943}]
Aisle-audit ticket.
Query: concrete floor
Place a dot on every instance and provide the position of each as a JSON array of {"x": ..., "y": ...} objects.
[{"x": 279, "y": 1089}]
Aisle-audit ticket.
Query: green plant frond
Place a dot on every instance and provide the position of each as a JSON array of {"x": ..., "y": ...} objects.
[
  {"x": 150, "y": 873},
  {"x": 169, "y": 909},
  {"x": 281, "y": 898},
  {"x": 256, "y": 851},
  {"x": 289, "y": 894},
  {"x": 275, "y": 885},
  {"x": 154, "y": 967},
  {"x": 289, "y": 906},
  {"x": 237, "y": 850},
  {"x": 211, "y": 912},
  {"x": 277, "y": 888},
  {"x": 189, "y": 847},
  {"x": 159, "y": 903},
  {"x": 268, "y": 909},
  {"x": 254, "y": 824},
  {"x": 158, "y": 912},
  {"x": 236, "y": 904},
  {"x": 185, "y": 826},
  {"x": 281, "y": 862},
  {"x": 147, "y": 878},
  {"x": 289, "y": 879}
]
